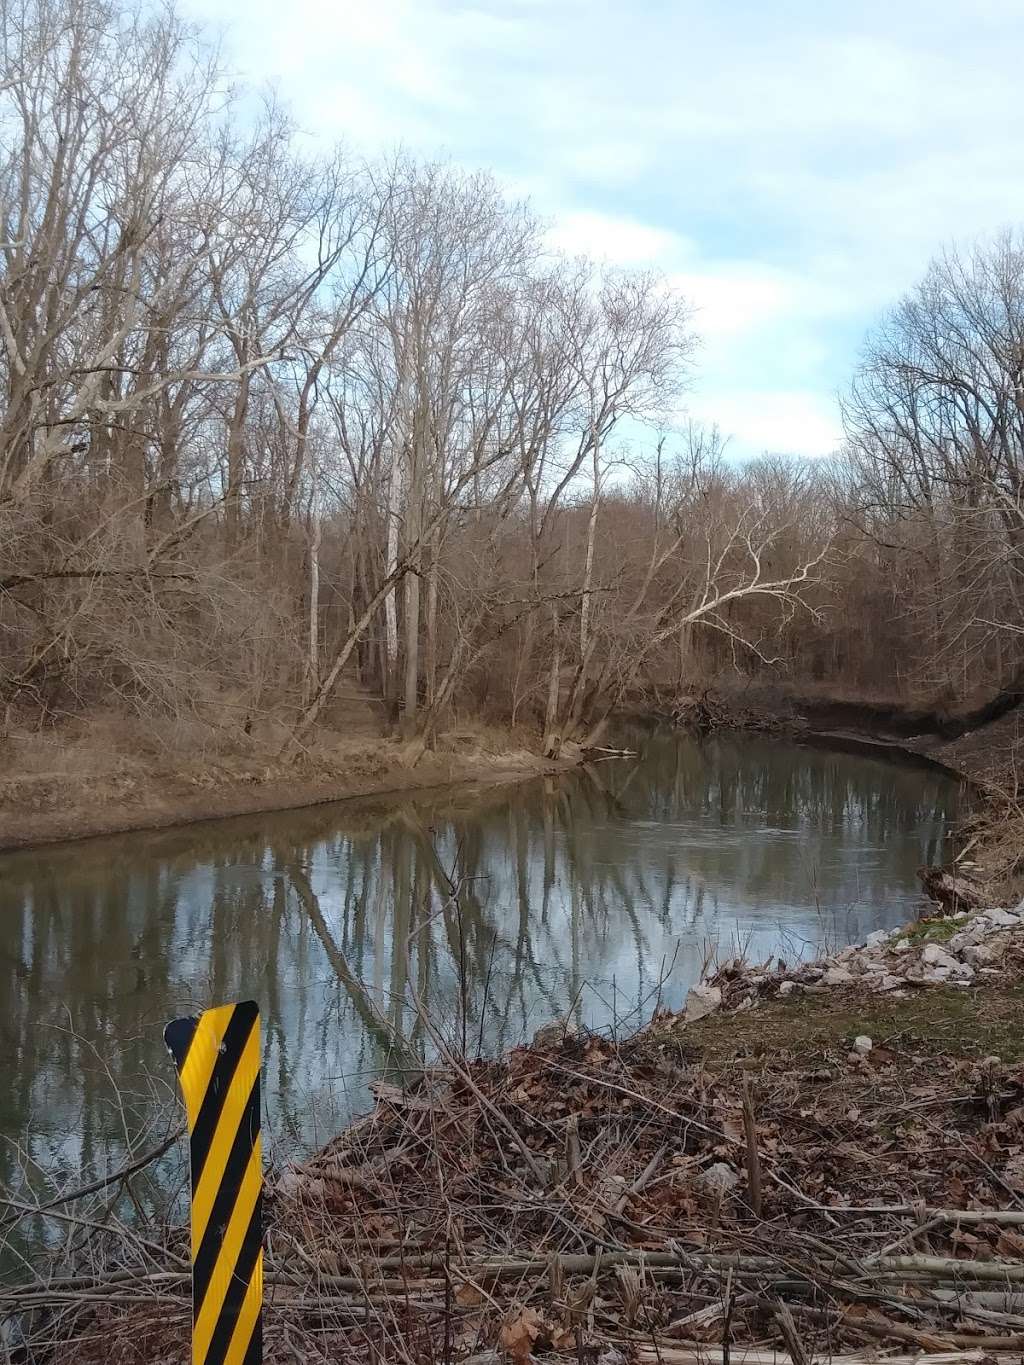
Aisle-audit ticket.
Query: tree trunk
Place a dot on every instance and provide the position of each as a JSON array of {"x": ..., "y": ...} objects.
[
  {"x": 412, "y": 653},
  {"x": 552, "y": 738},
  {"x": 390, "y": 679},
  {"x": 313, "y": 658},
  {"x": 236, "y": 461},
  {"x": 430, "y": 637},
  {"x": 588, "y": 572}
]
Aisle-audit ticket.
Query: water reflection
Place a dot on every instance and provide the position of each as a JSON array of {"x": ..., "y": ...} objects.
[{"x": 495, "y": 910}]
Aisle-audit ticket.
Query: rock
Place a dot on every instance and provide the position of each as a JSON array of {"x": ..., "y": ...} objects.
[
  {"x": 1002, "y": 919},
  {"x": 787, "y": 988},
  {"x": 935, "y": 955},
  {"x": 936, "y": 976},
  {"x": 982, "y": 954},
  {"x": 889, "y": 982},
  {"x": 701, "y": 1001},
  {"x": 838, "y": 976},
  {"x": 555, "y": 1033},
  {"x": 902, "y": 944},
  {"x": 974, "y": 933},
  {"x": 878, "y": 939},
  {"x": 812, "y": 973},
  {"x": 862, "y": 1044},
  {"x": 718, "y": 1179}
]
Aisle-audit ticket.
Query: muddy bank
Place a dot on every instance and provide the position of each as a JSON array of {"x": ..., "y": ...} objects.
[
  {"x": 38, "y": 809},
  {"x": 825, "y": 711},
  {"x": 979, "y": 744}
]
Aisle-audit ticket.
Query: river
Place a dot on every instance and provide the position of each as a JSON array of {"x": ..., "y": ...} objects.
[{"x": 479, "y": 912}]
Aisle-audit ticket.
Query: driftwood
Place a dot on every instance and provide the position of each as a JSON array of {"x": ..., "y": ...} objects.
[{"x": 952, "y": 890}]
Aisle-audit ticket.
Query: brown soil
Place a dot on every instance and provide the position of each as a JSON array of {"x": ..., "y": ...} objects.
[{"x": 111, "y": 777}]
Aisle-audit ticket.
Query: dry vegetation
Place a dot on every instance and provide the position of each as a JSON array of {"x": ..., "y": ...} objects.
[
  {"x": 279, "y": 428},
  {"x": 752, "y": 1187}
]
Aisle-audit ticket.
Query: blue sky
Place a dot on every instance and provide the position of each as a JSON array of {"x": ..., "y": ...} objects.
[{"x": 791, "y": 165}]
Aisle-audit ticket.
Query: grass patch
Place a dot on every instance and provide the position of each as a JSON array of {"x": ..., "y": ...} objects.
[
  {"x": 814, "y": 1029},
  {"x": 939, "y": 930}
]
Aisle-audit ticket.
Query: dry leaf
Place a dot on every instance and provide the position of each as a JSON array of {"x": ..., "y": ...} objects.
[
  {"x": 517, "y": 1336},
  {"x": 468, "y": 1296}
]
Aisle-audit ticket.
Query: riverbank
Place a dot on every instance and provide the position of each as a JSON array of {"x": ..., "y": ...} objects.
[
  {"x": 95, "y": 782},
  {"x": 809, "y": 1169}
]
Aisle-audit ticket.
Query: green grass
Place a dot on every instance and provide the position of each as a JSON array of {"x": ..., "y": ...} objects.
[{"x": 933, "y": 930}]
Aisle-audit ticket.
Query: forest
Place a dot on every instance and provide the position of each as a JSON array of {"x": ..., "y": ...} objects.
[{"x": 279, "y": 422}]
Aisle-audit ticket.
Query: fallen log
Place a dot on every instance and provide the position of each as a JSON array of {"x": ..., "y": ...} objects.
[{"x": 955, "y": 892}]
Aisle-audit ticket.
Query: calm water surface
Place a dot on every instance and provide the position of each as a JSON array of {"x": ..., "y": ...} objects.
[{"x": 602, "y": 891}]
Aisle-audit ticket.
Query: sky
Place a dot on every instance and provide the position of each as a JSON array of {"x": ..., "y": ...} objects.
[{"x": 791, "y": 166}]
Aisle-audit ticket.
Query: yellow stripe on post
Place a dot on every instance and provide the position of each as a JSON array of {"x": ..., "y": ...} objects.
[{"x": 217, "y": 1056}]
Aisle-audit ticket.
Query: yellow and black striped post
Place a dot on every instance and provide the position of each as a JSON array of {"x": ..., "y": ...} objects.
[{"x": 218, "y": 1061}]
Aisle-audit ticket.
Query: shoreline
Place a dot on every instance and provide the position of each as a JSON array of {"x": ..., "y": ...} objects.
[
  {"x": 96, "y": 808},
  {"x": 152, "y": 812}
]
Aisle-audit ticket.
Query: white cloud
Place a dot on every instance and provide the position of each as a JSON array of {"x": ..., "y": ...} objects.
[
  {"x": 790, "y": 168},
  {"x": 777, "y": 421},
  {"x": 621, "y": 241}
]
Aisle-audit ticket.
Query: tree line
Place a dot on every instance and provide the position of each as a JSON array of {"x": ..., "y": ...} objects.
[{"x": 279, "y": 421}]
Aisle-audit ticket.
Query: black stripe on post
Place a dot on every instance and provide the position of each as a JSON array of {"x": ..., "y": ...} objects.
[
  {"x": 221, "y": 1085},
  {"x": 236, "y": 1035},
  {"x": 227, "y": 1193},
  {"x": 244, "y": 1267}
]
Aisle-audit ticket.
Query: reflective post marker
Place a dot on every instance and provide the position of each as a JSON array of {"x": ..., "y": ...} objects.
[{"x": 218, "y": 1062}]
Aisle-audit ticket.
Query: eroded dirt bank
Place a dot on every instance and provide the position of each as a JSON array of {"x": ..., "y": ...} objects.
[
  {"x": 80, "y": 794},
  {"x": 109, "y": 777}
]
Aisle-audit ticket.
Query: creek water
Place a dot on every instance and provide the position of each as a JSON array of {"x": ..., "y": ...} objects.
[{"x": 480, "y": 913}]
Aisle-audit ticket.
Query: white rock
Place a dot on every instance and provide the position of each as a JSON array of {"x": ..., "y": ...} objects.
[
  {"x": 718, "y": 1179},
  {"x": 902, "y": 945},
  {"x": 787, "y": 987},
  {"x": 935, "y": 955},
  {"x": 878, "y": 939},
  {"x": 702, "y": 1000},
  {"x": 936, "y": 976},
  {"x": 966, "y": 939},
  {"x": 981, "y": 954},
  {"x": 837, "y": 976},
  {"x": 862, "y": 1044},
  {"x": 1003, "y": 919},
  {"x": 888, "y": 982}
]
